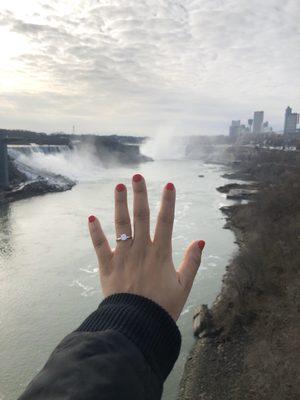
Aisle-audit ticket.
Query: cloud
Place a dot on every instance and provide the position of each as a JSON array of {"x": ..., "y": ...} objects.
[{"x": 137, "y": 65}]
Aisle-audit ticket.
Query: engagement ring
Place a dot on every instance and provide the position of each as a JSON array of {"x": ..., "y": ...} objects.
[{"x": 123, "y": 237}]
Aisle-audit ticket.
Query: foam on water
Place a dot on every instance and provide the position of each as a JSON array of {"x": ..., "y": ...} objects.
[{"x": 77, "y": 164}]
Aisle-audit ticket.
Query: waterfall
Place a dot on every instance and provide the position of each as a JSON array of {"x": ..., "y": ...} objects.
[
  {"x": 79, "y": 163},
  {"x": 15, "y": 150}
]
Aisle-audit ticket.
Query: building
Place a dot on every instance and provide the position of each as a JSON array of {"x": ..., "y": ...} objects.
[
  {"x": 290, "y": 121},
  {"x": 234, "y": 129},
  {"x": 250, "y": 123},
  {"x": 258, "y": 119}
]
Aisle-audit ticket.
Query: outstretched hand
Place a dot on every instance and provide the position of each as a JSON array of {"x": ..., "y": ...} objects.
[{"x": 140, "y": 265}]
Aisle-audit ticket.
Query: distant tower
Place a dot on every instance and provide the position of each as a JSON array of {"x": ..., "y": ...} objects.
[
  {"x": 235, "y": 128},
  {"x": 257, "y": 121},
  {"x": 73, "y": 130},
  {"x": 290, "y": 121},
  {"x": 266, "y": 126},
  {"x": 250, "y": 123}
]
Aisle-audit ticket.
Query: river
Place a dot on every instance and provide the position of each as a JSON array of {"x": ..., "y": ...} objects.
[{"x": 48, "y": 270}]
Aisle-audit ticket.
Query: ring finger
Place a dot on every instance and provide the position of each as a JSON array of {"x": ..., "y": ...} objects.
[{"x": 122, "y": 218}]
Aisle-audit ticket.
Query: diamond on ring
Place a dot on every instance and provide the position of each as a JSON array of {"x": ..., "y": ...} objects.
[{"x": 123, "y": 237}]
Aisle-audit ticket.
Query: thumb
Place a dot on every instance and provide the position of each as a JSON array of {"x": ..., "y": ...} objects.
[{"x": 190, "y": 263}]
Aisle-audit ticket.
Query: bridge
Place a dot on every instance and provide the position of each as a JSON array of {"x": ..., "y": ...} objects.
[{"x": 7, "y": 140}]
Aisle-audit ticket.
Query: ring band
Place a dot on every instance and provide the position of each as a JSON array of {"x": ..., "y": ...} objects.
[{"x": 123, "y": 237}]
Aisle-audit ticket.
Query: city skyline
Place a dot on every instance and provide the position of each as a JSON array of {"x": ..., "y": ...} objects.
[
  {"x": 147, "y": 67},
  {"x": 257, "y": 124}
]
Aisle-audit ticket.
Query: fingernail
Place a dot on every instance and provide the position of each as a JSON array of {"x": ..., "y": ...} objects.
[
  {"x": 201, "y": 244},
  {"x": 120, "y": 187},
  {"x": 137, "y": 177},
  {"x": 169, "y": 186},
  {"x": 92, "y": 218}
]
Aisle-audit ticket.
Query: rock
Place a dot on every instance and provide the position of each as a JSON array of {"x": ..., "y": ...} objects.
[
  {"x": 227, "y": 188},
  {"x": 34, "y": 188},
  {"x": 202, "y": 321},
  {"x": 241, "y": 194},
  {"x": 227, "y": 210},
  {"x": 200, "y": 176},
  {"x": 15, "y": 176}
]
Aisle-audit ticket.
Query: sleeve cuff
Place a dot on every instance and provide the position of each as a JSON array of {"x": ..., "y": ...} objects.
[{"x": 142, "y": 321}]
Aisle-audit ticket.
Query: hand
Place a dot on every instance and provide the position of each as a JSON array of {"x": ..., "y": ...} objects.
[{"x": 140, "y": 265}]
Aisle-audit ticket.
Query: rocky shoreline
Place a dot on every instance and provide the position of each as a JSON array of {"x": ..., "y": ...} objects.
[
  {"x": 28, "y": 184},
  {"x": 250, "y": 348},
  {"x": 35, "y": 188}
]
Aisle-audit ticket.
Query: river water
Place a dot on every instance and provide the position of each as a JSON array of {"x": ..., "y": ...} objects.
[{"x": 48, "y": 270}]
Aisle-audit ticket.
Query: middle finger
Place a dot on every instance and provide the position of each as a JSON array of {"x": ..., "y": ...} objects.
[{"x": 140, "y": 209}]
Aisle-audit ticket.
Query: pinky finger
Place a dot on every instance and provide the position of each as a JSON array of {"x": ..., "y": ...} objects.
[
  {"x": 190, "y": 264},
  {"x": 101, "y": 245}
]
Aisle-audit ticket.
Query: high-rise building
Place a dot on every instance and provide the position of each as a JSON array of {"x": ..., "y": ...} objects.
[
  {"x": 257, "y": 121},
  {"x": 250, "y": 123},
  {"x": 290, "y": 121},
  {"x": 234, "y": 129}
]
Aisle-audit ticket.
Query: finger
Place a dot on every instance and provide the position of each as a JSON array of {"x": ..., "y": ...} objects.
[
  {"x": 165, "y": 219},
  {"x": 122, "y": 218},
  {"x": 190, "y": 264},
  {"x": 101, "y": 245},
  {"x": 141, "y": 211}
]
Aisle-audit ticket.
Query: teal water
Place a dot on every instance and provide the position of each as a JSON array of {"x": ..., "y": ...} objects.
[{"x": 48, "y": 270}]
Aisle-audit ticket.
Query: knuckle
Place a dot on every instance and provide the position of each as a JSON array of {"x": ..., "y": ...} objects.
[
  {"x": 194, "y": 260},
  {"x": 163, "y": 252},
  {"x": 98, "y": 243},
  {"x": 120, "y": 200},
  {"x": 166, "y": 219},
  {"x": 168, "y": 199},
  {"x": 141, "y": 215},
  {"x": 121, "y": 221},
  {"x": 139, "y": 189}
]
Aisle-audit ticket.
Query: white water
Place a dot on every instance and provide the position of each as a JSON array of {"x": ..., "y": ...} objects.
[
  {"x": 81, "y": 165},
  {"x": 164, "y": 147}
]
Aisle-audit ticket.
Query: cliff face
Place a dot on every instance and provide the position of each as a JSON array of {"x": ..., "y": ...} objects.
[
  {"x": 112, "y": 149},
  {"x": 253, "y": 350}
]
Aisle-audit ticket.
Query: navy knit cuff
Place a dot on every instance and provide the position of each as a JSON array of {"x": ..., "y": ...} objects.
[{"x": 143, "y": 322}]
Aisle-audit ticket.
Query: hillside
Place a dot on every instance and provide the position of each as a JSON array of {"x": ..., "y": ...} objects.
[{"x": 252, "y": 349}]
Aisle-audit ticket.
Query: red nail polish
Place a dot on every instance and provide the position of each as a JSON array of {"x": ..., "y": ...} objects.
[
  {"x": 201, "y": 244},
  {"x": 170, "y": 186},
  {"x": 92, "y": 218},
  {"x": 137, "y": 177},
  {"x": 120, "y": 187}
]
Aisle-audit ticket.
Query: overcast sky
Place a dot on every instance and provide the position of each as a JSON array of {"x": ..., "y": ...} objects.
[{"x": 147, "y": 66}]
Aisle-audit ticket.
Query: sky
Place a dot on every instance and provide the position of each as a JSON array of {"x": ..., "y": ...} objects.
[{"x": 147, "y": 67}]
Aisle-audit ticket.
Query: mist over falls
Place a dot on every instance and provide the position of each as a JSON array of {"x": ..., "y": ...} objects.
[
  {"x": 88, "y": 161},
  {"x": 78, "y": 164},
  {"x": 165, "y": 147}
]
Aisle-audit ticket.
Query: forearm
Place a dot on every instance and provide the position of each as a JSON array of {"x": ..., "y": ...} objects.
[{"x": 125, "y": 349}]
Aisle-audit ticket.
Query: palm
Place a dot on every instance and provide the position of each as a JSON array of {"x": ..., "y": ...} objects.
[{"x": 140, "y": 265}]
